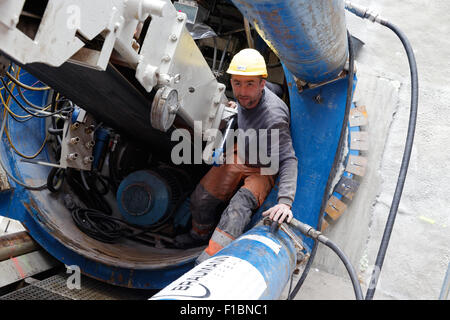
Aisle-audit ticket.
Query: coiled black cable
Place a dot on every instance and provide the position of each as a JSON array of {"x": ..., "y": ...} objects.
[
  {"x": 88, "y": 192},
  {"x": 105, "y": 228},
  {"x": 100, "y": 226},
  {"x": 55, "y": 179}
]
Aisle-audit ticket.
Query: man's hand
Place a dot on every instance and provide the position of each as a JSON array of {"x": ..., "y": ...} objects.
[
  {"x": 232, "y": 104},
  {"x": 279, "y": 213}
]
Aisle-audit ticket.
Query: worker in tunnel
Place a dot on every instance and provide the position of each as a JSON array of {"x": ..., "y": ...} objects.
[{"x": 244, "y": 182}]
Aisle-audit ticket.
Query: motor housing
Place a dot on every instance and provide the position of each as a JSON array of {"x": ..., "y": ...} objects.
[{"x": 147, "y": 197}]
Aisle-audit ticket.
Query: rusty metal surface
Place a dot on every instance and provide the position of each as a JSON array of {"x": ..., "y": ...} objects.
[
  {"x": 57, "y": 220},
  {"x": 16, "y": 244},
  {"x": 4, "y": 183},
  {"x": 335, "y": 207},
  {"x": 347, "y": 187},
  {"x": 24, "y": 266}
]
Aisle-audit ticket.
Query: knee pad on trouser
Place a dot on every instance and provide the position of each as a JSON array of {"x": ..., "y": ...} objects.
[
  {"x": 232, "y": 222},
  {"x": 204, "y": 207}
]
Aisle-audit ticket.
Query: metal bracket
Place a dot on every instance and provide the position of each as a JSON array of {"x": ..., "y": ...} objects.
[
  {"x": 156, "y": 62},
  {"x": 359, "y": 140},
  {"x": 347, "y": 187},
  {"x": 356, "y": 165},
  {"x": 296, "y": 240},
  {"x": 358, "y": 116},
  {"x": 78, "y": 143},
  {"x": 335, "y": 207}
]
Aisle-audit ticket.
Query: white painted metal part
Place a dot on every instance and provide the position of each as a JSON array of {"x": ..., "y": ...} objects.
[{"x": 168, "y": 56}]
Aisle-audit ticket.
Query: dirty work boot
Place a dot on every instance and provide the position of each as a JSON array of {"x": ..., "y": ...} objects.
[
  {"x": 189, "y": 240},
  {"x": 232, "y": 223}
]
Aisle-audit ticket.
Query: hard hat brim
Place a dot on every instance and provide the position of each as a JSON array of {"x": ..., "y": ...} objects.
[{"x": 244, "y": 73}]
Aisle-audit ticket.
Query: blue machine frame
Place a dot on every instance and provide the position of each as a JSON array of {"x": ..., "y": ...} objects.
[{"x": 316, "y": 121}]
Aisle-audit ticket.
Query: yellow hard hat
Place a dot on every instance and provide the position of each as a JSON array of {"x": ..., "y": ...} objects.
[{"x": 248, "y": 62}]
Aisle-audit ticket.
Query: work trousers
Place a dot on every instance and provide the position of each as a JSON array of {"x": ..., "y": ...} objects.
[{"x": 215, "y": 189}]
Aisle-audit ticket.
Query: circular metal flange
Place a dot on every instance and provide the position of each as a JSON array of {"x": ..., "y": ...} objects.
[{"x": 164, "y": 108}]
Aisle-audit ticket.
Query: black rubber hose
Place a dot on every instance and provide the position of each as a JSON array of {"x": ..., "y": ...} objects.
[
  {"x": 351, "y": 271},
  {"x": 55, "y": 179},
  {"x": 405, "y": 161},
  {"x": 309, "y": 231},
  {"x": 336, "y": 161}
]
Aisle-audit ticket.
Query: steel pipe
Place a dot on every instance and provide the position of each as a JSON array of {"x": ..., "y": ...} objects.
[
  {"x": 16, "y": 244},
  {"x": 309, "y": 37},
  {"x": 256, "y": 266}
]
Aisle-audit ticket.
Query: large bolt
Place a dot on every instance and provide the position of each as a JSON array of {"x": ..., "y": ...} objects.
[
  {"x": 75, "y": 140},
  {"x": 88, "y": 160},
  {"x": 72, "y": 156},
  {"x": 89, "y": 129},
  {"x": 90, "y": 144},
  {"x": 180, "y": 16}
]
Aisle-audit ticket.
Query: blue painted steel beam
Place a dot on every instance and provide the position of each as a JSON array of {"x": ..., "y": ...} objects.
[
  {"x": 316, "y": 121},
  {"x": 310, "y": 37}
]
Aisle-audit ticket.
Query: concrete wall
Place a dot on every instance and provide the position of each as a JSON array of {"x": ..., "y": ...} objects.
[{"x": 419, "y": 250}]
